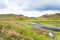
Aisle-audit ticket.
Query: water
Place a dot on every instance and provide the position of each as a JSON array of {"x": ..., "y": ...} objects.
[
  {"x": 44, "y": 27},
  {"x": 36, "y": 25}
]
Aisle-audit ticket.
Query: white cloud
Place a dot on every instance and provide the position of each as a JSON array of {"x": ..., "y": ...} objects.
[{"x": 30, "y": 7}]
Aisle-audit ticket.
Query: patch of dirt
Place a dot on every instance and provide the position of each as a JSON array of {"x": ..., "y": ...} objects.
[{"x": 39, "y": 31}]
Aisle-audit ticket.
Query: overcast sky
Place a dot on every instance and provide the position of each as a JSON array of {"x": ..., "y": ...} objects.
[{"x": 31, "y": 8}]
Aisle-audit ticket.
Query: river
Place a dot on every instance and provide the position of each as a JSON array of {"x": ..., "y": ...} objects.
[{"x": 44, "y": 27}]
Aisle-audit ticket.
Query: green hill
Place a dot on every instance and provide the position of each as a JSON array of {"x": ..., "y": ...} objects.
[
  {"x": 17, "y": 27},
  {"x": 49, "y": 17},
  {"x": 49, "y": 20},
  {"x": 12, "y": 17}
]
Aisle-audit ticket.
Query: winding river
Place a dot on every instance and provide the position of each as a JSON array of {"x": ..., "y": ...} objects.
[{"x": 44, "y": 27}]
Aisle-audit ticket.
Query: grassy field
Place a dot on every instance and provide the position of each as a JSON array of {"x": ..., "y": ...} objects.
[
  {"x": 45, "y": 23},
  {"x": 17, "y": 30},
  {"x": 17, "y": 27},
  {"x": 13, "y": 28},
  {"x": 49, "y": 23}
]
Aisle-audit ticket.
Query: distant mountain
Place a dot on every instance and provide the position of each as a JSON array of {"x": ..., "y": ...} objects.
[
  {"x": 45, "y": 17},
  {"x": 12, "y": 17},
  {"x": 55, "y": 16},
  {"x": 51, "y": 15}
]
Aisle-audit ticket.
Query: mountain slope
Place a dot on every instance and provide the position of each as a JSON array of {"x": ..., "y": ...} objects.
[
  {"x": 53, "y": 17},
  {"x": 12, "y": 17}
]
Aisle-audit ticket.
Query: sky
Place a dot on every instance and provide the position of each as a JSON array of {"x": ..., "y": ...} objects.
[{"x": 30, "y": 8}]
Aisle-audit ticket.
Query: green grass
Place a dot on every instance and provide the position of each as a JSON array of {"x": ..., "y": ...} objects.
[
  {"x": 57, "y": 35},
  {"x": 50, "y": 23},
  {"x": 46, "y": 23},
  {"x": 15, "y": 27},
  {"x": 23, "y": 28}
]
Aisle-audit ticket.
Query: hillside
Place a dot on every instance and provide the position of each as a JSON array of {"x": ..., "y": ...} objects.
[
  {"x": 13, "y": 27},
  {"x": 17, "y": 27},
  {"x": 47, "y": 17},
  {"x": 49, "y": 20},
  {"x": 12, "y": 17},
  {"x": 16, "y": 30}
]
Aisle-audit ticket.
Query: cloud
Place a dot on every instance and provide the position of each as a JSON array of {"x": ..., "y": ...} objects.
[
  {"x": 42, "y": 5},
  {"x": 29, "y": 7},
  {"x": 31, "y": 4},
  {"x": 2, "y": 5}
]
